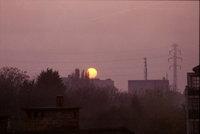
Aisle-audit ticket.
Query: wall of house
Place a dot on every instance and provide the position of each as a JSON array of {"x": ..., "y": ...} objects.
[{"x": 52, "y": 120}]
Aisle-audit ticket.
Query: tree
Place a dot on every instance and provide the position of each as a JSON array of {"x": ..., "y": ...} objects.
[
  {"x": 12, "y": 77},
  {"x": 162, "y": 113},
  {"x": 48, "y": 85},
  {"x": 25, "y": 93},
  {"x": 11, "y": 80}
]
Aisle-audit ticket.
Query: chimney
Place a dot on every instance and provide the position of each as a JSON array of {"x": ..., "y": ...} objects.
[
  {"x": 77, "y": 73},
  {"x": 59, "y": 101}
]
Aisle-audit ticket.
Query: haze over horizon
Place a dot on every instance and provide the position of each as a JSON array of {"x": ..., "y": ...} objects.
[{"x": 111, "y": 36}]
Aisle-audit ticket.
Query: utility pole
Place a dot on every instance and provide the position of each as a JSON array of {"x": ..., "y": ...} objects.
[
  {"x": 166, "y": 76},
  {"x": 145, "y": 68},
  {"x": 174, "y": 54}
]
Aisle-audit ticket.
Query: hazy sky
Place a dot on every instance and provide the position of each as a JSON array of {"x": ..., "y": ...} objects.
[{"x": 112, "y": 36}]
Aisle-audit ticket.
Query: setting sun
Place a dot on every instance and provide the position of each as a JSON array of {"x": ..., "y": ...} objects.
[{"x": 92, "y": 73}]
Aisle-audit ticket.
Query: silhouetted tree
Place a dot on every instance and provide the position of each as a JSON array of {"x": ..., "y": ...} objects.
[
  {"x": 11, "y": 81},
  {"x": 48, "y": 85},
  {"x": 162, "y": 113},
  {"x": 154, "y": 112},
  {"x": 25, "y": 93}
]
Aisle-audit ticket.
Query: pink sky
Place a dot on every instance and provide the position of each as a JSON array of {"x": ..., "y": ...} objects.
[{"x": 111, "y": 36}]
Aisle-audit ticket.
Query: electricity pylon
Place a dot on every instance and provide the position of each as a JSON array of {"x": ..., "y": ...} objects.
[{"x": 174, "y": 54}]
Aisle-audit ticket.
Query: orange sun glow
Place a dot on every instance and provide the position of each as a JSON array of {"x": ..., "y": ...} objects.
[{"x": 92, "y": 73}]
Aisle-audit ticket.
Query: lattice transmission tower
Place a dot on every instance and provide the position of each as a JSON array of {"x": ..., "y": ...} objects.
[{"x": 175, "y": 54}]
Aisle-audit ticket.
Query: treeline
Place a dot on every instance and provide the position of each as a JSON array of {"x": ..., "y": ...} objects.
[{"x": 154, "y": 112}]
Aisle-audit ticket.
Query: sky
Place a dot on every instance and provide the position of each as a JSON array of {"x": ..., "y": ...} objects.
[{"x": 112, "y": 36}]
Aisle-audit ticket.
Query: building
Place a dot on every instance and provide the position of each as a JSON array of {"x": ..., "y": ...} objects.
[
  {"x": 77, "y": 81},
  {"x": 51, "y": 119},
  {"x": 192, "y": 101},
  {"x": 108, "y": 83},
  {"x": 142, "y": 86}
]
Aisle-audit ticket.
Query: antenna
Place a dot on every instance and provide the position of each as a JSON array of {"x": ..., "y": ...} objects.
[
  {"x": 145, "y": 68},
  {"x": 173, "y": 53}
]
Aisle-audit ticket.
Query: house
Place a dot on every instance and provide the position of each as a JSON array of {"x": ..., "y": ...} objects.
[{"x": 51, "y": 119}]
